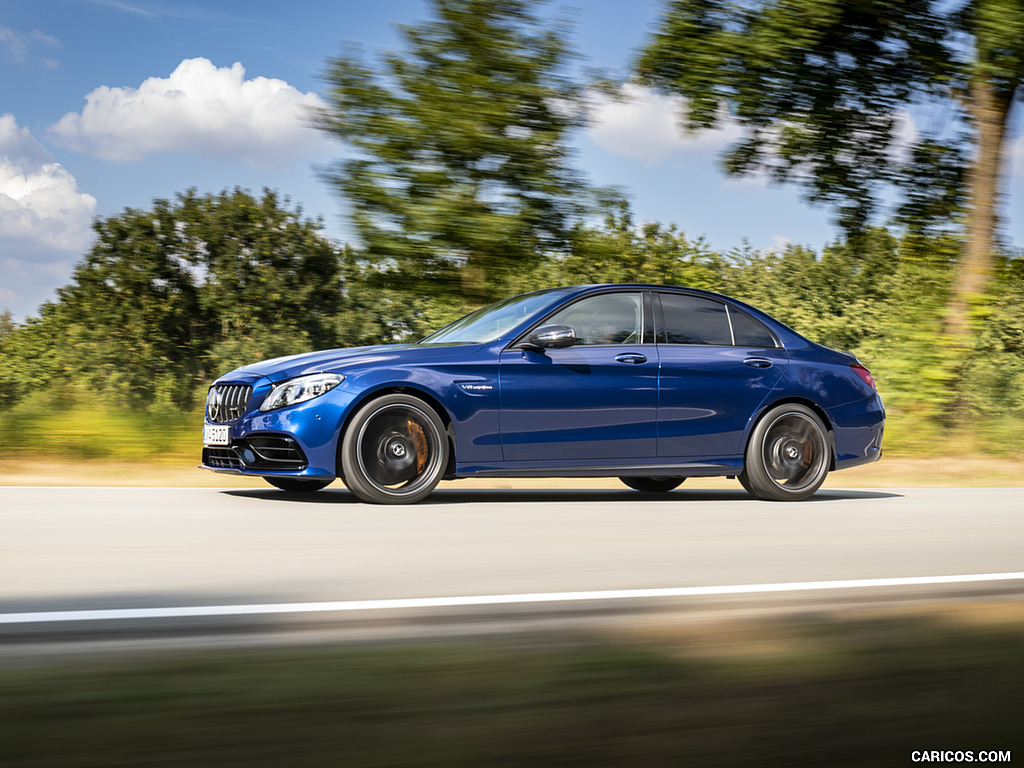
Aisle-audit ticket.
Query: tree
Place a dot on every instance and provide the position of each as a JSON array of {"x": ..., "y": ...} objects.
[
  {"x": 132, "y": 307},
  {"x": 459, "y": 172},
  {"x": 7, "y": 324},
  {"x": 269, "y": 281},
  {"x": 623, "y": 252},
  {"x": 820, "y": 85},
  {"x": 170, "y": 297},
  {"x": 29, "y": 356}
]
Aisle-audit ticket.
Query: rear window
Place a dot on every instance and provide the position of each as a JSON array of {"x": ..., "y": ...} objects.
[
  {"x": 748, "y": 332},
  {"x": 694, "y": 320}
]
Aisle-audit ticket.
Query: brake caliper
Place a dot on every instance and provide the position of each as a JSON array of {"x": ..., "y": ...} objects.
[{"x": 419, "y": 442}]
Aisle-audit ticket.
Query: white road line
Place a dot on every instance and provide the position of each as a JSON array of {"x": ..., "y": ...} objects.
[{"x": 479, "y": 600}]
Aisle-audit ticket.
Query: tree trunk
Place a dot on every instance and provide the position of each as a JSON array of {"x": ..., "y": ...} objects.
[{"x": 989, "y": 111}]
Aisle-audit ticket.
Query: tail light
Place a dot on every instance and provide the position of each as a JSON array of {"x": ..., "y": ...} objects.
[{"x": 865, "y": 375}]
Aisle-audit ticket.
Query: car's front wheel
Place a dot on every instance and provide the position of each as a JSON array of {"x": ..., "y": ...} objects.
[
  {"x": 294, "y": 485},
  {"x": 788, "y": 455},
  {"x": 395, "y": 450},
  {"x": 653, "y": 484}
]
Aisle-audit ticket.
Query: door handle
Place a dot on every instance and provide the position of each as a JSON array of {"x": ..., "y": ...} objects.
[
  {"x": 631, "y": 357},
  {"x": 758, "y": 362}
]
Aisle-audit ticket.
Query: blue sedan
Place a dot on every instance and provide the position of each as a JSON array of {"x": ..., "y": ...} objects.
[{"x": 646, "y": 383}]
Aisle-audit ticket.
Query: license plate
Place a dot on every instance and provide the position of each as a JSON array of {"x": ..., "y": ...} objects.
[{"x": 214, "y": 434}]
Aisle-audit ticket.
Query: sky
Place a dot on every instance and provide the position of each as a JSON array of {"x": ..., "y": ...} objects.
[{"x": 110, "y": 104}]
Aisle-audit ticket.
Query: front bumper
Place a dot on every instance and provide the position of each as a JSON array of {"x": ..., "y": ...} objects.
[{"x": 298, "y": 441}]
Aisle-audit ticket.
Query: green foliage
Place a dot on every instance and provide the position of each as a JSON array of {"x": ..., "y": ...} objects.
[
  {"x": 994, "y": 375},
  {"x": 262, "y": 270},
  {"x": 998, "y": 30},
  {"x": 459, "y": 174},
  {"x": 31, "y": 356},
  {"x": 835, "y": 300},
  {"x": 622, "y": 252},
  {"x": 132, "y": 310}
]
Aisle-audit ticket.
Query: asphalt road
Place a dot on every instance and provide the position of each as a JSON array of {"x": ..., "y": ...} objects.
[{"x": 122, "y": 549}]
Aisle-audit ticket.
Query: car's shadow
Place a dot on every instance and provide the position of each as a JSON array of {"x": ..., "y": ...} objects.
[{"x": 551, "y": 495}]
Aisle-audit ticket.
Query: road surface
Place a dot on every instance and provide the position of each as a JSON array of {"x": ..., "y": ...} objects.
[{"x": 108, "y": 560}]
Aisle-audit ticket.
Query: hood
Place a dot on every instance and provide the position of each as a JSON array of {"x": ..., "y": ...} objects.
[{"x": 341, "y": 360}]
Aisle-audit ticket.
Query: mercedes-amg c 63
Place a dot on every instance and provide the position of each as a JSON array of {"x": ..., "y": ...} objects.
[{"x": 650, "y": 384}]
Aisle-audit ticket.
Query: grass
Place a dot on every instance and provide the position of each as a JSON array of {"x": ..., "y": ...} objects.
[
  {"x": 843, "y": 691},
  {"x": 45, "y": 431}
]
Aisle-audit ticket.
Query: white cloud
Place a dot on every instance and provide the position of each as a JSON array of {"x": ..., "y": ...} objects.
[
  {"x": 45, "y": 220},
  {"x": 19, "y": 45},
  {"x": 200, "y": 108},
  {"x": 645, "y": 125},
  {"x": 39, "y": 200}
]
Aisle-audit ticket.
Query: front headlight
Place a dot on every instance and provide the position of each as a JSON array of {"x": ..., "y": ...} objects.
[{"x": 300, "y": 390}]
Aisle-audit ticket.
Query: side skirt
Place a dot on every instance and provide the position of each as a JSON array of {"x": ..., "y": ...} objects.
[{"x": 713, "y": 467}]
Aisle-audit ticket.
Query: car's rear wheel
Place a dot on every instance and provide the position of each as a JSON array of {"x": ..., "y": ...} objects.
[
  {"x": 295, "y": 485},
  {"x": 395, "y": 450},
  {"x": 653, "y": 484},
  {"x": 788, "y": 456}
]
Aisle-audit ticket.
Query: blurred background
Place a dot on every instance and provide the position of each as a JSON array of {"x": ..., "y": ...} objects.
[
  {"x": 853, "y": 167},
  {"x": 464, "y": 170}
]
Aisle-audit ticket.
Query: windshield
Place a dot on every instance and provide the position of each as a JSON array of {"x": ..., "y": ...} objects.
[{"x": 489, "y": 323}]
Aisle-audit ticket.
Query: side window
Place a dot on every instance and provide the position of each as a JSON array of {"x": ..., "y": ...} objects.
[
  {"x": 694, "y": 320},
  {"x": 608, "y": 318},
  {"x": 749, "y": 332}
]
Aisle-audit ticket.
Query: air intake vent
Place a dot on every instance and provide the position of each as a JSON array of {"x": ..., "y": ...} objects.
[
  {"x": 226, "y": 402},
  {"x": 222, "y": 458},
  {"x": 274, "y": 452}
]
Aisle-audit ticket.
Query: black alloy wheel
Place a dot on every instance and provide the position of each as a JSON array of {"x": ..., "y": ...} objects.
[
  {"x": 395, "y": 450},
  {"x": 295, "y": 485},
  {"x": 788, "y": 456},
  {"x": 653, "y": 484}
]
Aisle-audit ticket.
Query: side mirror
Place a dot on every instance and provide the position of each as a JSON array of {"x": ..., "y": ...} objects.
[{"x": 550, "y": 337}]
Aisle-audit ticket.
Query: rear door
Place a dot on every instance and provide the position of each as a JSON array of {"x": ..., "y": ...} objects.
[{"x": 718, "y": 364}]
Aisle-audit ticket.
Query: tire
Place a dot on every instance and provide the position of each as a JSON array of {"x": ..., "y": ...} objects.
[
  {"x": 653, "y": 484},
  {"x": 788, "y": 455},
  {"x": 395, "y": 451},
  {"x": 295, "y": 485}
]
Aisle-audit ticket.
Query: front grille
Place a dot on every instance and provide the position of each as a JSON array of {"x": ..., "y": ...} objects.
[{"x": 227, "y": 402}]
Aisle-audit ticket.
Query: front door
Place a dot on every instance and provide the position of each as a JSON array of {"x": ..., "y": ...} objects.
[{"x": 596, "y": 400}]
